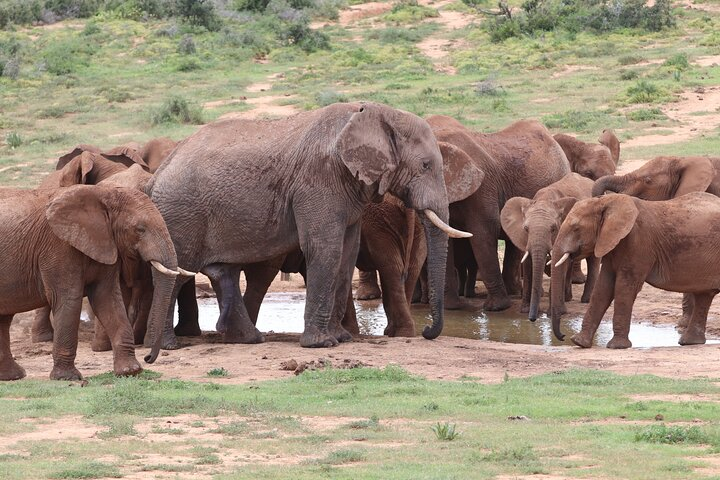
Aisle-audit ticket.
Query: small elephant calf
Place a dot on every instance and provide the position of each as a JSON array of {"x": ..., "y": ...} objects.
[{"x": 672, "y": 245}]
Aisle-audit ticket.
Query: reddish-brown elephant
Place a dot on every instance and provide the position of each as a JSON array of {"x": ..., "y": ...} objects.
[
  {"x": 59, "y": 245},
  {"x": 591, "y": 160}
]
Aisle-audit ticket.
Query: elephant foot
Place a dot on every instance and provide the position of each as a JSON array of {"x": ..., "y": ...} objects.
[
  {"x": 408, "y": 331},
  {"x": 65, "y": 373},
  {"x": 367, "y": 292},
  {"x": 340, "y": 334},
  {"x": 688, "y": 338},
  {"x": 568, "y": 295},
  {"x": 169, "y": 341},
  {"x": 578, "y": 278},
  {"x": 10, "y": 370},
  {"x": 126, "y": 367},
  {"x": 619, "y": 342},
  {"x": 188, "y": 329},
  {"x": 496, "y": 304},
  {"x": 236, "y": 336},
  {"x": 42, "y": 336},
  {"x": 101, "y": 344},
  {"x": 312, "y": 337},
  {"x": 585, "y": 298},
  {"x": 582, "y": 340}
]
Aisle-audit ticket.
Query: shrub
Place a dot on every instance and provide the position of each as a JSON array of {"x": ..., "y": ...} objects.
[
  {"x": 630, "y": 59},
  {"x": 445, "y": 431},
  {"x": 19, "y": 11},
  {"x": 177, "y": 110},
  {"x": 671, "y": 435},
  {"x": 14, "y": 140},
  {"x": 187, "y": 45},
  {"x": 645, "y": 114},
  {"x": 678, "y": 61},
  {"x": 218, "y": 372},
  {"x": 629, "y": 75},
  {"x": 409, "y": 11},
  {"x": 199, "y": 13},
  {"x": 645, "y": 92},
  {"x": 11, "y": 69},
  {"x": 64, "y": 57}
]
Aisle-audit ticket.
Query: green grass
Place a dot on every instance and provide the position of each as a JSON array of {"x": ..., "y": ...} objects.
[{"x": 375, "y": 423}]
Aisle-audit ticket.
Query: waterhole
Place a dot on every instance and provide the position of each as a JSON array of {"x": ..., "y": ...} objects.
[{"x": 283, "y": 312}]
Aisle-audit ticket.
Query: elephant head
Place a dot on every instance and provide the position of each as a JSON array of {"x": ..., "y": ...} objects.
[
  {"x": 662, "y": 178},
  {"x": 532, "y": 225},
  {"x": 397, "y": 152},
  {"x": 126, "y": 155},
  {"x": 155, "y": 151},
  {"x": 108, "y": 223},
  {"x": 589, "y": 160},
  {"x": 592, "y": 227}
]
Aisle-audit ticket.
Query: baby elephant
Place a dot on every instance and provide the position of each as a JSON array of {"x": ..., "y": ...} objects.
[
  {"x": 57, "y": 246},
  {"x": 672, "y": 245}
]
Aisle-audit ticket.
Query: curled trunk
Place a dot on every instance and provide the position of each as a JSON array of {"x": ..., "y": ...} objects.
[
  {"x": 612, "y": 183},
  {"x": 538, "y": 256},
  {"x": 436, "y": 261}
]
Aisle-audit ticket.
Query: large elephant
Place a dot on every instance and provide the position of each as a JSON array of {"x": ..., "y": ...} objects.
[
  {"x": 239, "y": 192},
  {"x": 532, "y": 225},
  {"x": 643, "y": 241},
  {"x": 663, "y": 178},
  {"x": 588, "y": 159},
  {"x": 517, "y": 161},
  {"x": 58, "y": 246}
]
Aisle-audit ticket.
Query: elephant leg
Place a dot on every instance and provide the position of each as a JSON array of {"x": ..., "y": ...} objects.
[
  {"x": 350, "y": 322},
  {"x": 602, "y": 296},
  {"x": 106, "y": 301},
  {"x": 527, "y": 285},
  {"x": 42, "y": 329},
  {"x": 240, "y": 328},
  {"x": 188, "y": 321},
  {"x": 578, "y": 277},
  {"x": 626, "y": 290},
  {"x": 484, "y": 245},
  {"x": 351, "y": 247},
  {"x": 462, "y": 276},
  {"x": 66, "y": 313},
  {"x": 259, "y": 278},
  {"x": 593, "y": 266},
  {"x": 397, "y": 308},
  {"x": 224, "y": 277},
  {"x": 687, "y": 309},
  {"x": 101, "y": 341},
  {"x": 470, "y": 282},
  {"x": 143, "y": 313},
  {"x": 368, "y": 288},
  {"x": 694, "y": 333},
  {"x": 511, "y": 269},
  {"x": 452, "y": 299},
  {"x": 9, "y": 368}
]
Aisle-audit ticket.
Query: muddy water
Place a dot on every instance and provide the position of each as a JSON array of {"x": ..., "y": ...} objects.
[{"x": 283, "y": 312}]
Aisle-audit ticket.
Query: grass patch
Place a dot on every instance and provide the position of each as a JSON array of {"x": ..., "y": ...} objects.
[
  {"x": 645, "y": 114},
  {"x": 645, "y": 91},
  {"x": 341, "y": 457},
  {"x": 445, "y": 431},
  {"x": 88, "y": 470},
  {"x": 671, "y": 434},
  {"x": 176, "y": 109},
  {"x": 218, "y": 372}
]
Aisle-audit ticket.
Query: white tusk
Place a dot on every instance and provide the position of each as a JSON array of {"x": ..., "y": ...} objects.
[
  {"x": 562, "y": 259},
  {"x": 186, "y": 273},
  {"x": 444, "y": 226},
  {"x": 525, "y": 257},
  {"x": 163, "y": 269}
]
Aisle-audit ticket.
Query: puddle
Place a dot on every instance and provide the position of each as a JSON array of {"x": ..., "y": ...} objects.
[{"x": 283, "y": 312}]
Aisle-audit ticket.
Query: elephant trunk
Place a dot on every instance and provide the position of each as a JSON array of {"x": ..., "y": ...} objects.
[
  {"x": 612, "y": 183},
  {"x": 437, "y": 241},
  {"x": 558, "y": 276},
  {"x": 538, "y": 256},
  {"x": 163, "y": 285}
]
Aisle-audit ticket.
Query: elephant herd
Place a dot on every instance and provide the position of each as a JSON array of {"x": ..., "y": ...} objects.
[{"x": 352, "y": 184}]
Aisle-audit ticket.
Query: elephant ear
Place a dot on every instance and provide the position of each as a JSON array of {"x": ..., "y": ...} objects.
[
  {"x": 563, "y": 206},
  {"x": 696, "y": 175},
  {"x": 618, "y": 219},
  {"x": 127, "y": 155},
  {"x": 611, "y": 141},
  {"x": 512, "y": 218},
  {"x": 65, "y": 159},
  {"x": 75, "y": 172},
  {"x": 367, "y": 146},
  {"x": 79, "y": 217},
  {"x": 462, "y": 176}
]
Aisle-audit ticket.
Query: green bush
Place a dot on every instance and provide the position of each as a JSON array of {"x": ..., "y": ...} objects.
[
  {"x": 678, "y": 61},
  {"x": 20, "y": 11},
  {"x": 629, "y": 74},
  {"x": 671, "y": 435},
  {"x": 645, "y": 92},
  {"x": 187, "y": 45},
  {"x": 64, "y": 57},
  {"x": 14, "y": 140},
  {"x": 199, "y": 13},
  {"x": 645, "y": 114},
  {"x": 10, "y": 69},
  {"x": 409, "y": 11},
  {"x": 177, "y": 110}
]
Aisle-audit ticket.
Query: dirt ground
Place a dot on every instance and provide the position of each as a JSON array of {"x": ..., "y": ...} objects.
[{"x": 446, "y": 358}]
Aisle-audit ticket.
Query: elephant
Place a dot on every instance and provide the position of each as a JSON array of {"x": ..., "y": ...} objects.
[
  {"x": 532, "y": 225},
  {"x": 155, "y": 151},
  {"x": 643, "y": 241},
  {"x": 517, "y": 162},
  {"x": 60, "y": 245},
  {"x": 240, "y": 192},
  {"x": 663, "y": 178},
  {"x": 591, "y": 160},
  {"x": 89, "y": 168},
  {"x": 368, "y": 288}
]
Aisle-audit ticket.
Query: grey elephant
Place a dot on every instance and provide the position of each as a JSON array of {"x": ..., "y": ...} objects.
[
  {"x": 239, "y": 192},
  {"x": 533, "y": 226}
]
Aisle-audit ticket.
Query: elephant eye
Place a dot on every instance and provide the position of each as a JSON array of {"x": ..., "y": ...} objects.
[
  {"x": 526, "y": 228},
  {"x": 140, "y": 229},
  {"x": 426, "y": 165}
]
